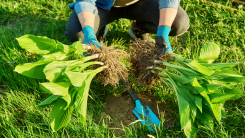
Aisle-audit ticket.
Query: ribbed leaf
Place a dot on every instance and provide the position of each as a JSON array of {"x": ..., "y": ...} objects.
[
  {"x": 37, "y": 44},
  {"x": 190, "y": 129},
  {"x": 77, "y": 78},
  {"x": 209, "y": 52},
  {"x": 176, "y": 78},
  {"x": 186, "y": 94},
  {"x": 202, "y": 69},
  {"x": 82, "y": 97},
  {"x": 62, "y": 47},
  {"x": 49, "y": 101},
  {"x": 220, "y": 66},
  {"x": 237, "y": 92},
  {"x": 79, "y": 47},
  {"x": 60, "y": 88},
  {"x": 216, "y": 108},
  {"x": 206, "y": 120},
  {"x": 80, "y": 66},
  {"x": 201, "y": 90},
  {"x": 60, "y": 115},
  {"x": 227, "y": 73},
  {"x": 184, "y": 110},
  {"x": 198, "y": 101},
  {"x": 53, "y": 70},
  {"x": 213, "y": 87},
  {"x": 220, "y": 97},
  {"x": 190, "y": 88},
  {"x": 35, "y": 69},
  {"x": 59, "y": 55}
]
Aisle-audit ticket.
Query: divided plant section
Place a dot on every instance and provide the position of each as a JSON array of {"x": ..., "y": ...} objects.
[
  {"x": 68, "y": 76},
  {"x": 201, "y": 86}
]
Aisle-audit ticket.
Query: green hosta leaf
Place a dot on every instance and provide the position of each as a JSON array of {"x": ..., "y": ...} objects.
[
  {"x": 82, "y": 97},
  {"x": 64, "y": 48},
  {"x": 184, "y": 72},
  {"x": 206, "y": 120},
  {"x": 79, "y": 47},
  {"x": 202, "y": 69},
  {"x": 56, "y": 68},
  {"x": 81, "y": 104},
  {"x": 60, "y": 115},
  {"x": 68, "y": 99},
  {"x": 190, "y": 129},
  {"x": 176, "y": 78},
  {"x": 209, "y": 52},
  {"x": 80, "y": 66},
  {"x": 220, "y": 97},
  {"x": 35, "y": 69},
  {"x": 198, "y": 101},
  {"x": 77, "y": 79},
  {"x": 37, "y": 44},
  {"x": 49, "y": 101},
  {"x": 190, "y": 88},
  {"x": 237, "y": 92},
  {"x": 186, "y": 94},
  {"x": 233, "y": 80},
  {"x": 60, "y": 88},
  {"x": 216, "y": 108},
  {"x": 227, "y": 73},
  {"x": 213, "y": 87},
  {"x": 202, "y": 91},
  {"x": 58, "y": 55},
  {"x": 220, "y": 66},
  {"x": 184, "y": 110}
]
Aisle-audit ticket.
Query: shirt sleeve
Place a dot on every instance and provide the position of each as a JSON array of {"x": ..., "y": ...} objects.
[
  {"x": 84, "y": 5},
  {"x": 168, "y": 4}
]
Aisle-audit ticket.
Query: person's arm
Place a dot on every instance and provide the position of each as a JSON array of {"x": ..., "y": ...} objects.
[
  {"x": 167, "y": 16},
  {"x": 167, "y": 10},
  {"x": 86, "y": 18},
  {"x": 86, "y": 13}
]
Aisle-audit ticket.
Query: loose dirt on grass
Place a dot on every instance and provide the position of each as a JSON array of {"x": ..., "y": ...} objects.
[
  {"x": 143, "y": 55},
  {"x": 112, "y": 58},
  {"x": 118, "y": 112}
]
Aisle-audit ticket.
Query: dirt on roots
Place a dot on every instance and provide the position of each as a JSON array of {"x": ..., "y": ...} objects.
[
  {"x": 143, "y": 55},
  {"x": 112, "y": 58}
]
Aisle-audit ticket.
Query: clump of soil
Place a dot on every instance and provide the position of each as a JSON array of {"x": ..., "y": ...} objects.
[
  {"x": 112, "y": 59},
  {"x": 118, "y": 111},
  {"x": 143, "y": 55}
]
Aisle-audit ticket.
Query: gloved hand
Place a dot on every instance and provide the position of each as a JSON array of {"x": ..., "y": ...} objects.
[
  {"x": 89, "y": 36},
  {"x": 162, "y": 39}
]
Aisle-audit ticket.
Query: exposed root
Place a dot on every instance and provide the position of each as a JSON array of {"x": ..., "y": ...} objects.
[
  {"x": 143, "y": 55},
  {"x": 112, "y": 58}
]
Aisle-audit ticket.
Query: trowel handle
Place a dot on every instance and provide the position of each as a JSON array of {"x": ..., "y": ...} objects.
[{"x": 131, "y": 92}]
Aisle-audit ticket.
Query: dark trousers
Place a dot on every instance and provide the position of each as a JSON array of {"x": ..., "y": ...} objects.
[{"x": 145, "y": 12}]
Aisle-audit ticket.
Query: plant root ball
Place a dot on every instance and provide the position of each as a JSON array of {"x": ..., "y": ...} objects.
[
  {"x": 112, "y": 59},
  {"x": 143, "y": 55}
]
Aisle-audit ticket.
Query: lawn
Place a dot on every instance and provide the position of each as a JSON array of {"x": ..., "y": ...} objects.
[{"x": 19, "y": 95}]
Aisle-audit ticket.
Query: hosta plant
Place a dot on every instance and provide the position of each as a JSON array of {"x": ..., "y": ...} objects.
[
  {"x": 67, "y": 74},
  {"x": 201, "y": 87}
]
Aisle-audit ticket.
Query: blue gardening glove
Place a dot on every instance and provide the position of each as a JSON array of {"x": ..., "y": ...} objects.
[
  {"x": 162, "y": 39},
  {"x": 89, "y": 36}
]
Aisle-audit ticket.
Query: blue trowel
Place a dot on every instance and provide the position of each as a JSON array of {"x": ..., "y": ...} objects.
[{"x": 142, "y": 112}]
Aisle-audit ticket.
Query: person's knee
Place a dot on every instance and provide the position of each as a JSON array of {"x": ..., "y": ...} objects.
[
  {"x": 73, "y": 36},
  {"x": 73, "y": 30},
  {"x": 181, "y": 23}
]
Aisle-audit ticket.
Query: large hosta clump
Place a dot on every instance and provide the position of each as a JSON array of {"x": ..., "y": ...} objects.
[
  {"x": 201, "y": 87},
  {"x": 65, "y": 69}
]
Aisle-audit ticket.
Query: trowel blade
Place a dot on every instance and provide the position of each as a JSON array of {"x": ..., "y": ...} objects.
[{"x": 145, "y": 114}]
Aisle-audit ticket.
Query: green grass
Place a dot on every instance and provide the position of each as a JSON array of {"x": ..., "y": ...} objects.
[{"x": 20, "y": 118}]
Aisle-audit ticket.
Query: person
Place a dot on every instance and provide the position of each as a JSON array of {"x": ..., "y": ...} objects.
[{"x": 164, "y": 18}]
